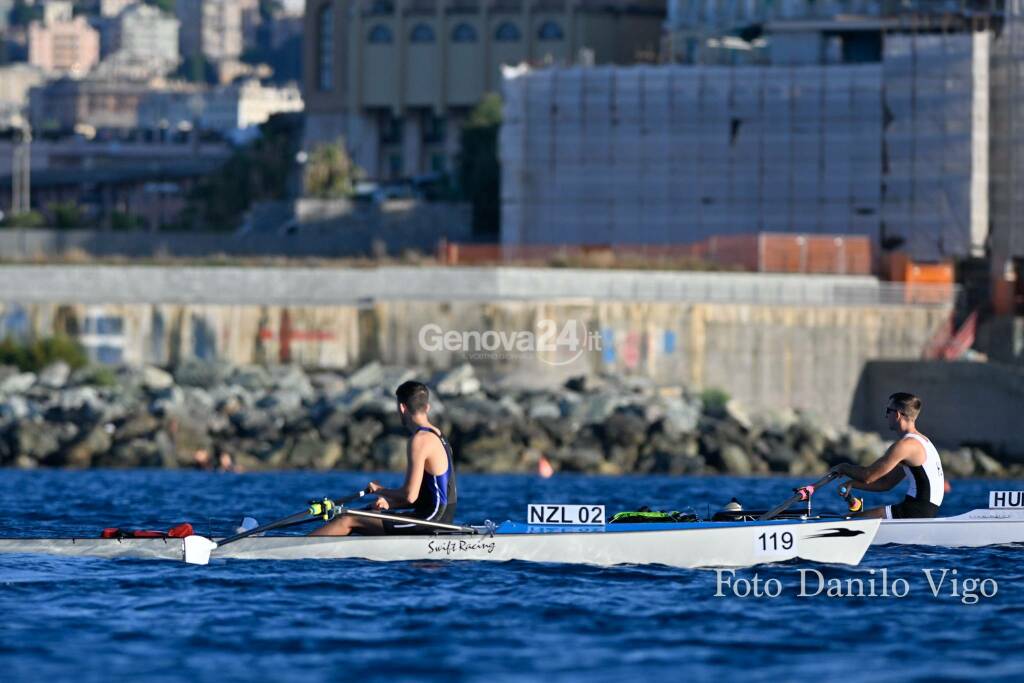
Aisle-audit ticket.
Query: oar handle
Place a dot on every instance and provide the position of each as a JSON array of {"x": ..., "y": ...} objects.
[{"x": 803, "y": 493}]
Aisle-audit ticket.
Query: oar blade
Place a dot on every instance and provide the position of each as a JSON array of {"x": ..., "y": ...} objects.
[{"x": 197, "y": 549}]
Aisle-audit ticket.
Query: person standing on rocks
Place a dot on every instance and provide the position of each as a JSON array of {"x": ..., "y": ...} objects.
[
  {"x": 912, "y": 456},
  {"x": 429, "y": 491}
]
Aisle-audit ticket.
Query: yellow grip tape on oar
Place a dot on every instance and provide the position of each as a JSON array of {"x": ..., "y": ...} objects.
[{"x": 323, "y": 508}]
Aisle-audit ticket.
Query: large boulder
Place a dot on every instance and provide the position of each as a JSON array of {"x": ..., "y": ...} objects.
[
  {"x": 370, "y": 376},
  {"x": 734, "y": 460},
  {"x": 252, "y": 378},
  {"x": 17, "y": 384},
  {"x": 309, "y": 451},
  {"x": 580, "y": 458},
  {"x": 55, "y": 375},
  {"x": 15, "y": 407},
  {"x": 388, "y": 453},
  {"x": 155, "y": 379},
  {"x": 987, "y": 466},
  {"x": 680, "y": 416},
  {"x": 459, "y": 381},
  {"x": 958, "y": 463},
  {"x": 596, "y": 408},
  {"x": 136, "y": 426},
  {"x": 624, "y": 429},
  {"x": 543, "y": 407},
  {"x": 36, "y": 439},
  {"x": 202, "y": 374},
  {"x": 292, "y": 379},
  {"x": 490, "y": 453}
]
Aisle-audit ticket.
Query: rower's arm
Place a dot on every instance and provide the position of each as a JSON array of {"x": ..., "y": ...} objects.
[
  {"x": 877, "y": 471},
  {"x": 884, "y": 484},
  {"x": 407, "y": 494}
]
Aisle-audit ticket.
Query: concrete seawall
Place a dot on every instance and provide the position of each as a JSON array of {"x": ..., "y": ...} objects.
[
  {"x": 963, "y": 403},
  {"x": 756, "y": 341}
]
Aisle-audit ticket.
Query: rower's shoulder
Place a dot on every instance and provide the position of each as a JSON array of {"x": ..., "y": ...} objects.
[
  {"x": 422, "y": 437},
  {"x": 908, "y": 446}
]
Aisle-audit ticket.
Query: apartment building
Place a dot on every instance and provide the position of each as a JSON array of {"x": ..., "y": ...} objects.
[
  {"x": 396, "y": 78},
  {"x": 62, "y": 44},
  {"x": 210, "y": 28}
]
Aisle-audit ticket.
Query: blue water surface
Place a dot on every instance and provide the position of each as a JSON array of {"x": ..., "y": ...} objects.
[{"x": 89, "y": 619}]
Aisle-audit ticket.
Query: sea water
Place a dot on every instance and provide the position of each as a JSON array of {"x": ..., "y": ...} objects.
[{"x": 87, "y": 619}]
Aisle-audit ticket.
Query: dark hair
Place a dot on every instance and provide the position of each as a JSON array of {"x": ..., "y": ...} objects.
[
  {"x": 413, "y": 395},
  {"x": 908, "y": 404}
]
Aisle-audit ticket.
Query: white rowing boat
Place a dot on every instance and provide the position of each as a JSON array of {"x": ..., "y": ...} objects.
[
  {"x": 999, "y": 524},
  {"x": 970, "y": 530},
  {"x": 688, "y": 545}
]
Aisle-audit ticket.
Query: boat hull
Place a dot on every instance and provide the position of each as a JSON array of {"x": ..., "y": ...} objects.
[
  {"x": 681, "y": 545},
  {"x": 972, "y": 529}
]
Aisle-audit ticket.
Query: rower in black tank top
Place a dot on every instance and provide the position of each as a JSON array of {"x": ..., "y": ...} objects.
[{"x": 437, "y": 498}]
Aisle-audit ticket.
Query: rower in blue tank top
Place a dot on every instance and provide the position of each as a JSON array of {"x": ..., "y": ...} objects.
[{"x": 429, "y": 490}]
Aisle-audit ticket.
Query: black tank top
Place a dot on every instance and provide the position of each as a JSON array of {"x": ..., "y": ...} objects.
[{"x": 438, "y": 494}]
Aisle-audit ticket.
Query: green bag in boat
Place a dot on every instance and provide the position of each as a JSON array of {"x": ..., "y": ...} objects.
[{"x": 645, "y": 515}]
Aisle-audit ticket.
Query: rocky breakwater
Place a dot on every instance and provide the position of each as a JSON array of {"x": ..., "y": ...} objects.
[{"x": 210, "y": 415}]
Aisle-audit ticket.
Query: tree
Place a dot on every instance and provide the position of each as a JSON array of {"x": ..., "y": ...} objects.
[
  {"x": 329, "y": 172},
  {"x": 26, "y": 219},
  {"x": 22, "y": 13},
  {"x": 196, "y": 69},
  {"x": 257, "y": 171},
  {"x": 67, "y": 216},
  {"x": 479, "y": 172}
]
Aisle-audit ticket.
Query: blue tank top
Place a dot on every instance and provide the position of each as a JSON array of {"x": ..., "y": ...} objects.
[{"x": 438, "y": 495}]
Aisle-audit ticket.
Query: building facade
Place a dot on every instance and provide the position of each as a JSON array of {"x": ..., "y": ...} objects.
[
  {"x": 673, "y": 154},
  {"x": 146, "y": 33},
  {"x": 210, "y": 28},
  {"x": 65, "y": 103},
  {"x": 396, "y": 79},
  {"x": 248, "y": 103},
  {"x": 63, "y": 45},
  {"x": 15, "y": 82},
  {"x": 112, "y": 8}
]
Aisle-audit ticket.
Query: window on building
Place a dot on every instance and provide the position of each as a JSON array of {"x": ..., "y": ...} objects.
[
  {"x": 463, "y": 33},
  {"x": 380, "y": 34},
  {"x": 395, "y": 166},
  {"x": 549, "y": 30},
  {"x": 421, "y": 33},
  {"x": 438, "y": 163},
  {"x": 325, "y": 48},
  {"x": 507, "y": 32},
  {"x": 382, "y": 7},
  {"x": 390, "y": 130},
  {"x": 433, "y": 129}
]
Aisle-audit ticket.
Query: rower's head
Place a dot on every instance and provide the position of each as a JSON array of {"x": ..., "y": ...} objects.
[
  {"x": 413, "y": 403},
  {"x": 902, "y": 410}
]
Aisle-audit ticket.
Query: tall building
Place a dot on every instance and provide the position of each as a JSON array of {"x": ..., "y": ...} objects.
[
  {"x": 210, "y": 28},
  {"x": 397, "y": 78},
  {"x": 57, "y": 11},
  {"x": 251, "y": 22},
  {"x": 112, "y": 8},
  {"x": 5, "y": 14},
  {"x": 145, "y": 32},
  {"x": 15, "y": 82},
  {"x": 61, "y": 44}
]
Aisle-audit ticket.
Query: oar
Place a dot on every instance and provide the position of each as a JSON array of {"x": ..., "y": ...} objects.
[
  {"x": 408, "y": 520},
  {"x": 802, "y": 493},
  {"x": 198, "y": 548}
]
